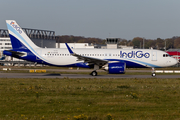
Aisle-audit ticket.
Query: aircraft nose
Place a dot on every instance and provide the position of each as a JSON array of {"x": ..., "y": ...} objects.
[
  {"x": 171, "y": 62},
  {"x": 174, "y": 61}
]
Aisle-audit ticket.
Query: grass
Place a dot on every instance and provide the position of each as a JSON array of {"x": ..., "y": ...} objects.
[{"x": 92, "y": 99}]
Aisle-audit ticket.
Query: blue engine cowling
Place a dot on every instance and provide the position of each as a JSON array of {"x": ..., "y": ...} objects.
[{"x": 116, "y": 68}]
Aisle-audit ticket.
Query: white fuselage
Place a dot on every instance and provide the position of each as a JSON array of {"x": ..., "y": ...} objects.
[{"x": 142, "y": 57}]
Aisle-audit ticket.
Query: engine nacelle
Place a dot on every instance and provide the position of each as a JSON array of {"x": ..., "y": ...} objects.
[{"x": 116, "y": 68}]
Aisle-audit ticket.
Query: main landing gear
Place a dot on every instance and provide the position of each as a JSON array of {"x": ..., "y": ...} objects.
[{"x": 93, "y": 73}]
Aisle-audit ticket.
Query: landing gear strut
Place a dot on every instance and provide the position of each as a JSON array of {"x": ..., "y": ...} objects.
[
  {"x": 94, "y": 73},
  {"x": 153, "y": 72}
]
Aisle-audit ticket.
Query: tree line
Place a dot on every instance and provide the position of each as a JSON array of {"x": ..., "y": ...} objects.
[
  {"x": 137, "y": 42},
  {"x": 78, "y": 39}
]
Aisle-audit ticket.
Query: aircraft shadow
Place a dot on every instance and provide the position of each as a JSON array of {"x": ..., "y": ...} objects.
[{"x": 52, "y": 74}]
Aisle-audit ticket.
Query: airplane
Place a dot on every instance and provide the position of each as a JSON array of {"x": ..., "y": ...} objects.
[{"x": 115, "y": 61}]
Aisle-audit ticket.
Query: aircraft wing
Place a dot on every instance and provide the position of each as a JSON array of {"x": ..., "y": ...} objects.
[{"x": 90, "y": 60}]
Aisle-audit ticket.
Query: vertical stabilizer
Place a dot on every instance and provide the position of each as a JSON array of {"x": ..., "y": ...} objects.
[{"x": 19, "y": 39}]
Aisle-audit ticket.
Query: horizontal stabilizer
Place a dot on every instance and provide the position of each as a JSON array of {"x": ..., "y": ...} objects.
[{"x": 13, "y": 53}]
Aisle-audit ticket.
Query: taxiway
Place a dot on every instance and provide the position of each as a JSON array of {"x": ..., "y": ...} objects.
[{"x": 47, "y": 75}]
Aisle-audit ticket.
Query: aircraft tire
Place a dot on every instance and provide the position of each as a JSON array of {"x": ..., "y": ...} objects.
[
  {"x": 94, "y": 73},
  {"x": 153, "y": 74}
]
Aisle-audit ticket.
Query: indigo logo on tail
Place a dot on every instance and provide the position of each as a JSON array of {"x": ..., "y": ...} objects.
[{"x": 17, "y": 28}]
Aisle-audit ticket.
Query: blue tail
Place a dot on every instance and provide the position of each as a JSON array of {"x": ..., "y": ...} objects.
[
  {"x": 16, "y": 44},
  {"x": 19, "y": 39}
]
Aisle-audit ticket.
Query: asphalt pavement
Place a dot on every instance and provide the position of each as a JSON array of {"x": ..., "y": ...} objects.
[{"x": 48, "y": 75}]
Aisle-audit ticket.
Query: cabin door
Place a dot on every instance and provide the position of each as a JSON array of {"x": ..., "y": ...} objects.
[{"x": 154, "y": 55}]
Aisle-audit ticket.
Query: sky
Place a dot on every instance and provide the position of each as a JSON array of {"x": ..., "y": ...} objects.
[{"x": 124, "y": 19}]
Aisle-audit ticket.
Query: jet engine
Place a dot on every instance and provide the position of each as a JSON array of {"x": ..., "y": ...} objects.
[{"x": 115, "y": 68}]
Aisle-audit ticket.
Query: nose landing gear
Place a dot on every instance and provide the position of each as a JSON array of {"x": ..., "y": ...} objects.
[{"x": 153, "y": 72}]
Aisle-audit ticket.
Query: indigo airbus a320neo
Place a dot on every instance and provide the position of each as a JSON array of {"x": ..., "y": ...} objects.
[{"x": 115, "y": 61}]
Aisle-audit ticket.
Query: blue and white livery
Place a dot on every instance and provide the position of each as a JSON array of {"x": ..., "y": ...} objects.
[{"x": 115, "y": 61}]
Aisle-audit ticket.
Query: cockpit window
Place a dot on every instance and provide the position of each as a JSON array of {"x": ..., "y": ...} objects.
[{"x": 166, "y": 55}]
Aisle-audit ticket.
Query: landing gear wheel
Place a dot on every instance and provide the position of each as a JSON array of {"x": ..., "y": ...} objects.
[
  {"x": 153, "y": 74},
  {"x": 94, "y": 73}
]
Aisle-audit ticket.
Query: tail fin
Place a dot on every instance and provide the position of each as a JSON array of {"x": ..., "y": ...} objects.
[{"x": 18, "y": 37}]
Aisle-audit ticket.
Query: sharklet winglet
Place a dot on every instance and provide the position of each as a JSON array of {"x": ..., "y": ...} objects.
[{"x": 69, "y": 49}]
